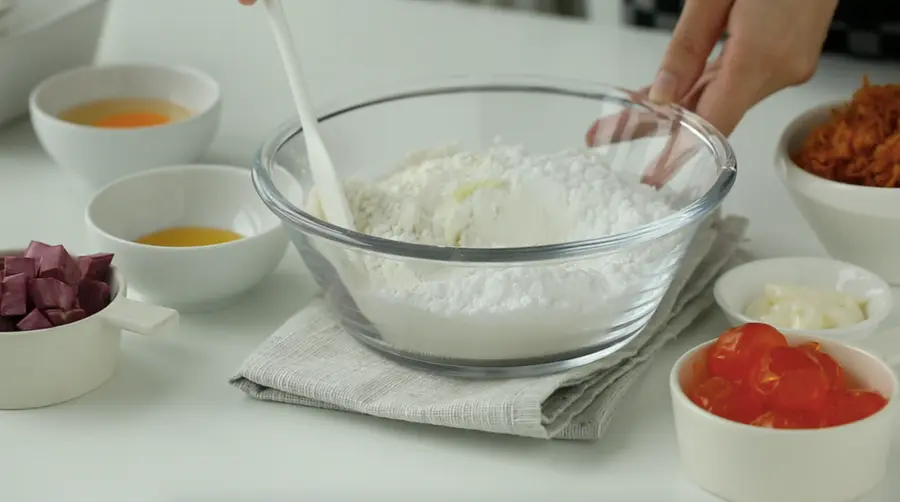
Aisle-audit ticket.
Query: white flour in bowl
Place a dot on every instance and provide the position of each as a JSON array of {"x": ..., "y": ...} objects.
[{"x": 502, "y": 197}]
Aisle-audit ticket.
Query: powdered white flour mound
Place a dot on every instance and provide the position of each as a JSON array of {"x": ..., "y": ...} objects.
[{"x": 502, "y": 197}]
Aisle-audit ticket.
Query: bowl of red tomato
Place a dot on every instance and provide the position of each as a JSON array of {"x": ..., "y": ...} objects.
[{"x": 763, "y": 416}]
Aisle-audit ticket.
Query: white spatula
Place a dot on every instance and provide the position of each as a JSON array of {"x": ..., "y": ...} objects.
[{"x": 328, "y": 185}]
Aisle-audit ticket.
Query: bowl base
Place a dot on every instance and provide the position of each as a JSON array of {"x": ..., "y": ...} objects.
[
  {"x": 488, "y": 369},
  {"x": 192, "y": 307},
  {"x": 42, "y": 400}
]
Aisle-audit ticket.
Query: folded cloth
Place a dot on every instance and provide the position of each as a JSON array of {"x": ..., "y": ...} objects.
[{"x": 311, "y": 361}]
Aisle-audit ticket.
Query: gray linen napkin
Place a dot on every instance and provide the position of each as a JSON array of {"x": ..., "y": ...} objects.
[{"x": 310, "y": 361}]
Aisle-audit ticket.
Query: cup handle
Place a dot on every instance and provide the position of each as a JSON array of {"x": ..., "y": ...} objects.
[
  {"x": 141, "y": 318},
  {"x": 884, "y": 344}
]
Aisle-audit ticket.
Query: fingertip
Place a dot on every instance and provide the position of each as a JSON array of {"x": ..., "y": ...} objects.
[
  {"x": 652, "y": 180},
  {"x": 679, "y": 149},
  {"x": 591, "y": 136},
  {"x": 664, "y": 89}
]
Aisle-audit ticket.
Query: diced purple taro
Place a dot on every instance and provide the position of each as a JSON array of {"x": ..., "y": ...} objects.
[
  {"x": 34, "y": 320},
  {"x": 58, "y": 317},
  {"x": 93, "y": 296},
  {"x": 95, "y": 266},
  {"x": 51, "y": 293},
  {"x": 20, "y": 265},
  {"x": 14, "y": 296},
  {"x": 36, "y": 249},
  {"x": 57, "y": 263}
]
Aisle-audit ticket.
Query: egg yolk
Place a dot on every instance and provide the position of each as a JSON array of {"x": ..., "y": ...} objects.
[{"x": 134, "y": 119}]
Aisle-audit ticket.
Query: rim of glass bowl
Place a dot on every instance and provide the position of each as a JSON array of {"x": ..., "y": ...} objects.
[{"x": 713, "y": 140}]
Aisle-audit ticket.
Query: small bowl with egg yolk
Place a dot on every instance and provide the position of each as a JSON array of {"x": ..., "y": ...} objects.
[
  {"x": 806, "y": 296},
  {"x": 105, "y": 122},
  {"x": 191, "y": 237}
]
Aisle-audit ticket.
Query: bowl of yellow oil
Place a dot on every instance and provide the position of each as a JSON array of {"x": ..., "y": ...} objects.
[
  {"x": 102, "y": 123},
  {"x": 186, "y": 237},
  {"x": 192, "y": 237}
]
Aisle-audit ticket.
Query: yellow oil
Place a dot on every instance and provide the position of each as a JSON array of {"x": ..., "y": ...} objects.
[
  {"x": 126, "y": 113},
  {"x": 182, "y": 237}
]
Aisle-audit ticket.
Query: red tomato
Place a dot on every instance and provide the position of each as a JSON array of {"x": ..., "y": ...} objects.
[
  {"x": 728, "y": 400},
  {"x": 814, "y": 346},
  {"x": 849, "y": 406},
  {"x": 780, "y": 419},
  {"x": 737, "y": 350},
  {"x": 837, "y": 380},
  {"x": 791, "y": 379}
]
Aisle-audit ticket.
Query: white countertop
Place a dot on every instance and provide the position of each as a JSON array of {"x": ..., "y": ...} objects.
[{"x": 168, "y": 427}]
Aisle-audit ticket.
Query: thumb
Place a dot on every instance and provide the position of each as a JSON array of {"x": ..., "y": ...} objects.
[{"x": 700, "y": 26}]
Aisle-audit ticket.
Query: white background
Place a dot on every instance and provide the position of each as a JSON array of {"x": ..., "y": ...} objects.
[{"x": 168, "y": 428}]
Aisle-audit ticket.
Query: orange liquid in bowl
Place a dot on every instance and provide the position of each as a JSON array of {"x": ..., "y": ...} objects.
[
  {"x": 189, "y": 237},
  {"x": 125, "y": 113}
]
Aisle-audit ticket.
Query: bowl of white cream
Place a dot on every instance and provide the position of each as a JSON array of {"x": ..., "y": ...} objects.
[{"x": 806, "y": 295}]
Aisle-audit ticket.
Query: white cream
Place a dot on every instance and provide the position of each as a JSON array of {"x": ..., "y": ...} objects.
[{"x": 803, "y": 307}]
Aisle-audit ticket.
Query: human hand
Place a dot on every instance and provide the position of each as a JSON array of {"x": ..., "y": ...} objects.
[
  {"x": 771, "y": 45},
  {"x": 247, "y": 2}
]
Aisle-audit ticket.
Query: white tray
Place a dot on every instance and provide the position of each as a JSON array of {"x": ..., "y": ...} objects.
[{"x": 43, "y": 37}]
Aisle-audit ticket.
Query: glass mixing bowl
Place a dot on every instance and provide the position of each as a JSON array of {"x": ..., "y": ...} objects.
[{"x": 370, "y": 284}]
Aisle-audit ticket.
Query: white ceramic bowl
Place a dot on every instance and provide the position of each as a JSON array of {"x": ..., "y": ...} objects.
[
  {"x": 187, "y": 278},
  {"x": 742, "y": 463},
  {"x": 741, "y": 285},
  {"x": 39, "y": 38},
  {"x": 99, "y": 155},
  {"x": 857, "y": 224},
  {"x": 49, "y": 366}
]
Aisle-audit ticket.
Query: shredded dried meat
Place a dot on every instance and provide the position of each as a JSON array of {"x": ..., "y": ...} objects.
[{"x": 860, "y": 144}]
